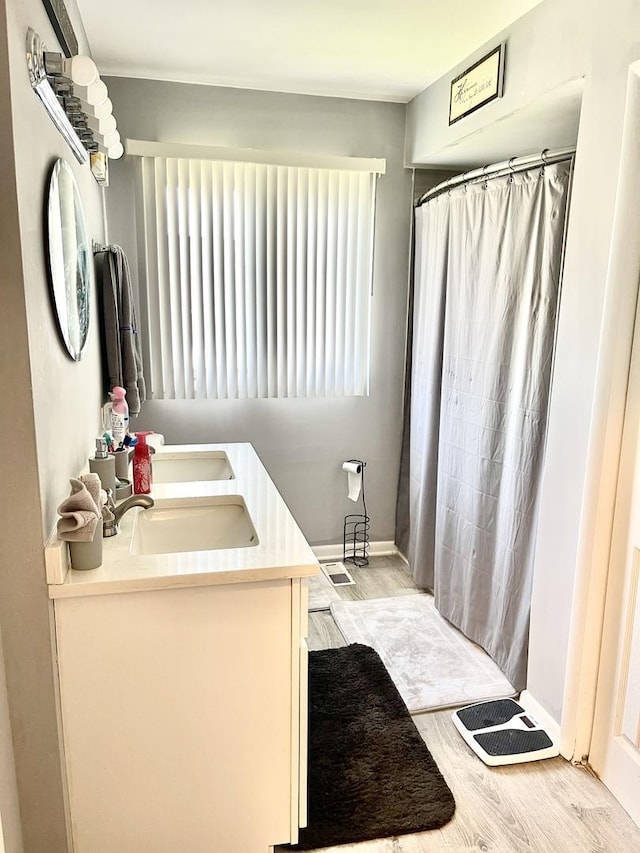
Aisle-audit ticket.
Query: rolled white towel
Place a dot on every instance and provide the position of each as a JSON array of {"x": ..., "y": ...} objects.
[
  {"x": 94, "y": 487},
  {"x": 80, "y": 498},
  {"x": 79, "y": 514},
  {"x": 77, "y": 527}
]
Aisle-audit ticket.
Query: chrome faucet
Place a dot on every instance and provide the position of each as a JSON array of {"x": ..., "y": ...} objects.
[{"x": 112, "y": 513}]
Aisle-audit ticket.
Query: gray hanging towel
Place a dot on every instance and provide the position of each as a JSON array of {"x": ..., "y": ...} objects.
[{"x": 121, "y": 339}]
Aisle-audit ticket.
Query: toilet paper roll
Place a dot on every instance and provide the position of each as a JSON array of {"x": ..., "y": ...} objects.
[{"x": 354, "y": 479}]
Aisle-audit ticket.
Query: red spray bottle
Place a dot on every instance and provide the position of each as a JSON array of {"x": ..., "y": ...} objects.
[{"x": 142, "y": 464}]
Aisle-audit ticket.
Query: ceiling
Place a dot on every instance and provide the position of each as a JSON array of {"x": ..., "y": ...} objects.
[{"x": 386, "y": 50}]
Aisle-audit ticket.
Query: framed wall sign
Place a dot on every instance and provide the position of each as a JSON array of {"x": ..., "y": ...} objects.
[{"x": 478, "y": 85}]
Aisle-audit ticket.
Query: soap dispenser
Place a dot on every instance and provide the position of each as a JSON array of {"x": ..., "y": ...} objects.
[
  {"x": 104, "y": 465},
  {"x": 142, "y": 464}
]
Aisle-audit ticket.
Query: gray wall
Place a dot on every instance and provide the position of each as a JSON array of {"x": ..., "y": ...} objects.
[
  {"x": 558, "y": 41},
  {"x": 302, "y": 442},
  {"x": 546, "y": 49},
  {"x": 14, "y": 376},
  {"x": 50, "y": 411}
]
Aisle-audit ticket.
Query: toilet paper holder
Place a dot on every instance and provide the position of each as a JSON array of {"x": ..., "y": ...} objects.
[{"x": 355, "y": 535}]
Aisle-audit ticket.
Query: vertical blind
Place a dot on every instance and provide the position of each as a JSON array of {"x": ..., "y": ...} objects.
[{"x": 258, "y": 279}]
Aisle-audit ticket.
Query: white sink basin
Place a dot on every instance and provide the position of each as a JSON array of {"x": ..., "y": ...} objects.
[
  {"x": 209, "y": 523},
  {"x": 191, "y": 466}
]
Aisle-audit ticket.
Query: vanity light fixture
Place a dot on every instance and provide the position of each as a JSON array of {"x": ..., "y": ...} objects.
[
  {"x": 50, "y": 98},
  {"x": 76, "y": 99}
]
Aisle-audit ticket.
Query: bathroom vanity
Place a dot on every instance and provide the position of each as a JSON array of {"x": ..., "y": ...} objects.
[{"x": 183, "y": 673}]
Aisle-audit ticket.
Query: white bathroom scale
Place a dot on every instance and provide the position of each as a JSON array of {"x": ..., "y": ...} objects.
[{"x": 503, "y": 732}]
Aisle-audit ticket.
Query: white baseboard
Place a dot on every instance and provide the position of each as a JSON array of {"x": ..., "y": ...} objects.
[
  {"x": 334, "y": 552},
  {"x": 540, "y": 715}
]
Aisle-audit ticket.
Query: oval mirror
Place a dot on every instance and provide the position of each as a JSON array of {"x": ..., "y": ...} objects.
[{"x": 70, "y": 259}]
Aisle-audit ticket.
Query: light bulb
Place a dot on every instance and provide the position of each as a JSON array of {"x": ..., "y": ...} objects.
[
  {"x": 110, "y": 139},
  {"x": 81, "y": 70},
  {"x": 98, "y": 111},
  {"x": 114, "y": 152},
  {"x": 102, "y": 110},
  {"x": 95, "y": 93},
  {"x": 103, "y": 126}
]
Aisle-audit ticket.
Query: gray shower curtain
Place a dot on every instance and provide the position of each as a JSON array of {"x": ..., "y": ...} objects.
[{"x": 486, "y": 289}]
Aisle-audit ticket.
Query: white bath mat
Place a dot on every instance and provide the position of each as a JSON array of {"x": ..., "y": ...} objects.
[
  {"x": 321, "y": 592},
  {"x": 431, "y": 663}
]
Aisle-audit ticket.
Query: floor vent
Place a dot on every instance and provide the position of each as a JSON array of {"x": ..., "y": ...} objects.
[
  {"x": 502, "y": 732},
  {"x": 337, "y": 573}
]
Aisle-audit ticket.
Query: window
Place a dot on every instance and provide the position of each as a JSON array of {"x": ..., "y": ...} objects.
[{"x": 258, "y": 278}]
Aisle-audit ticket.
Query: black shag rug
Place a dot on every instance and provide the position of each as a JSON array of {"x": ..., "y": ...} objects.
[{"x": 370, "y": 773}]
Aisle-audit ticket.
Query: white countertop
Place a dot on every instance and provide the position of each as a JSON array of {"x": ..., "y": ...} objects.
[{"x": 282, "y": 551}]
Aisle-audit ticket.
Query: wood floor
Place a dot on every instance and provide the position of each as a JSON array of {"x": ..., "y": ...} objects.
[{"x": 540, "y": 807}]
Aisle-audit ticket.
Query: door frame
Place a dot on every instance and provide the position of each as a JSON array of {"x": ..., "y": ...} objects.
[{"x": 617, "y": 331}]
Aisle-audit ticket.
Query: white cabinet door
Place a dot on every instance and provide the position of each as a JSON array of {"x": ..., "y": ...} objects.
[
  {"x": 303, "y": 766},
  {"x": 299, "y": 703},
  {"x": 177, "y": 718},
  {"x": 615, "y": 747}
]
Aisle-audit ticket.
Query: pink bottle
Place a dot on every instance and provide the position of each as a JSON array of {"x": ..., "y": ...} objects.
[
  {"x": 116, "y": 416},
  {"x": 142, "y": 465}
]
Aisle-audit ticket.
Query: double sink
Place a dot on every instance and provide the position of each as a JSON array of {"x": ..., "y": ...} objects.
[{"x": 198, "y": 523}]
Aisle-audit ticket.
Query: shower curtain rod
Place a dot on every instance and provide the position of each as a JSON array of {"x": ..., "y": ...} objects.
[{"x": 506, "y": 167}]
